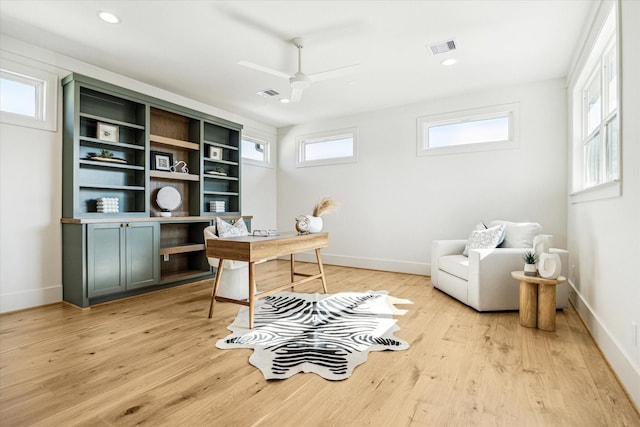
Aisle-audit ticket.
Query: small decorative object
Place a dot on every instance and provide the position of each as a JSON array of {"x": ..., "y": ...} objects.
[
  {"x": 105, "y": 156},
  {"x": 530, "y": 258},
  {"x": 542, "y": 243},
  {"x": 302, "y": 224},
  {"x": 161, "y": 161},
  {"x": 168, "y": 198},
  {"x": 218, "y": 170},
  {"x": 215, "y": 153},
  {"x": 108, "y": 132},
  {"x": 324, "y": 206},
  {"x": 107, "y": 205},
  {"x": 180, "y": 167},
  {"x": 549, "y": 266}
]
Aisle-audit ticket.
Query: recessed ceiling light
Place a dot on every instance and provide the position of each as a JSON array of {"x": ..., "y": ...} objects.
[
  {"x": 449, "y": 61},
  {"x": 284, "y": 100},
  {"x": 108, "y": 17}
]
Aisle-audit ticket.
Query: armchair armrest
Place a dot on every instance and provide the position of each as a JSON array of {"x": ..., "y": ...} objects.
[
  {"x": 441, "y": 248},
  {"x": 491, "y": 286}
]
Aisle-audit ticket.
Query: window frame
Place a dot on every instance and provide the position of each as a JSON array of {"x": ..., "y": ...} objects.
[
  {"x": 333, "y": 135},
  {"x": 267, "y": 163},
  {"x": 509, "y": 110},
  {"x": 47, "y": 96},
  {"x": 596, "y": 60}
]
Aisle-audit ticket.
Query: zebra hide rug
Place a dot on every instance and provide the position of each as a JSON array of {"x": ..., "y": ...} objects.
[{"x": 327, "y": 334}]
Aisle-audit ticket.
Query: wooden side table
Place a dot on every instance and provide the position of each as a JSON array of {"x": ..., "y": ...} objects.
[{"x": 537, "y": 300}]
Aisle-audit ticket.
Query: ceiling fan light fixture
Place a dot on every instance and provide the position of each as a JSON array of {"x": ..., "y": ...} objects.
[{"x": 108, "y": 17}]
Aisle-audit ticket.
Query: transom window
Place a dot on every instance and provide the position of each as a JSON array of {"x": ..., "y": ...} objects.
[
  {"x": 256, "y": 151},
  {"x": 325, "y": 148},
  {"x": 27, "y": 96},
  {"x": 486, "y": 128}
]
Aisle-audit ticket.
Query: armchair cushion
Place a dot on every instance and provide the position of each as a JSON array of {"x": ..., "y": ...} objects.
[
  {"x": 518, "y": 234},
  {"x": 458, "y": 265}
]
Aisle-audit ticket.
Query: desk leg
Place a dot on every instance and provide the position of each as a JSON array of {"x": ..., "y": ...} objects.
[
  {"x": 528, "y": 304},
  {"x": 547, "y": 307},
  {"x": 324, "y": 281},
  {"x": 293, "y": 269},
  {"x": 216, "y": 282},
  {"x": 252, "y": 297}
]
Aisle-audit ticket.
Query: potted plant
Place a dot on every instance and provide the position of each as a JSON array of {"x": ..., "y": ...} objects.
[{"x": 530, "y": 259}]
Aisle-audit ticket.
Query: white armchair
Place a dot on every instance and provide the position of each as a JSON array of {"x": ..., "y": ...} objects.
[{"x": 483, "y": 279}]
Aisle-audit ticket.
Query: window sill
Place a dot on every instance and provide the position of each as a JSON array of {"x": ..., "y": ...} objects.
[{"x": 602, "y": 191}]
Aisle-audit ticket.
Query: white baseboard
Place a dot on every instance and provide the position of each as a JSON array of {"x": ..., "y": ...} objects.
[
  {"x": 368, "y": 263},
  {"x": 619, "y": 361},
  {"x": 30, "y": 298}
]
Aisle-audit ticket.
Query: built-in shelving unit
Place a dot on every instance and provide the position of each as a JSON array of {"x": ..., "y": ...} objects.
[{"x": 119, "y": 144}]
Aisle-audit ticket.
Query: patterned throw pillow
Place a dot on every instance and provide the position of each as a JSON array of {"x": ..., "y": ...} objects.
[
  {"x": 486, "y": 239},
  {"x": 478, "y": 227},
  {"x": 238, "y": 228}
]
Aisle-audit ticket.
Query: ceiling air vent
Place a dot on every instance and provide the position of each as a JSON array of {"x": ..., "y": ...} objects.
[
  {"x": 268, "y": 93},
  {"x": 443, "y": 47}
]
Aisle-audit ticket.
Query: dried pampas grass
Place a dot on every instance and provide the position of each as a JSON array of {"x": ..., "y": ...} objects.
[{"x": 325, "y": 205}]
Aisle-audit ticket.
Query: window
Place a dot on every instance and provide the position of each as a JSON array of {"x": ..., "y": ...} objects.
[
  {"x": 596, "y": 141},
  {"x": 480, "y": 129},
  {"x": 27, "y": 96},
  {"x": 326, "y": 148},
  {"x": 256, "y": 151}
]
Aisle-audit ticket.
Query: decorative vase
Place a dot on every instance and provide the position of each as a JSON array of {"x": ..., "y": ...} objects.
[
  {"x": 542, "y": 243},
  {"x": 530, "y": 270},
  {"x": 549, "y": 266},
  {"x": 315, "y": 223}
]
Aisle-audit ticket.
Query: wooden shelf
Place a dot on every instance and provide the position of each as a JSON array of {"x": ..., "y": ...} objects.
[
  {"x": 96, "y": 163},
  {"x": 111, "y": 121},
  {"x": 221, "y": 193},
  {"x": 228, "y": 178},
  {"x": 113, "y": 187},
  {"x": 180, "y": 249},
  {"x": 219, "y": 144},
  {"x": 174, "y": 175},
  {"x": 174, "y": 142},
  {"x": 185, "y": 274},
  {"x": 95, "y": 142},
  {"x": 226, "y": 162}
]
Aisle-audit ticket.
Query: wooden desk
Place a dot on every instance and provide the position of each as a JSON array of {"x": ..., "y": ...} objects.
[
  {"x": 253, "y": 248},
  {"x": 537, "y": 300}
]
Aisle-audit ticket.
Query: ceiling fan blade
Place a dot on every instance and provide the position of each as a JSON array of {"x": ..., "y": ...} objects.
[
  {"x": 296, "y": 94},
  {"x": 264, "y": 69},
  {"x": 336, "y": 72}
]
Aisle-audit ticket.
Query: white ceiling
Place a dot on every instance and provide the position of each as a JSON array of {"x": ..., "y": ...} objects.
[{"x": 192, "y": 48}]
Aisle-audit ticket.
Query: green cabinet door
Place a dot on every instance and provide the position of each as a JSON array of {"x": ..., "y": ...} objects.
[
  {"x": 122, "y": 257},
  {"x": 105, "y": 259},
  {"x": 142, "y": 254}
]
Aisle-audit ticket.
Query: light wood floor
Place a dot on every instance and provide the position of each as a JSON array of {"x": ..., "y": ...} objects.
[{"x": 152, "y": 360}]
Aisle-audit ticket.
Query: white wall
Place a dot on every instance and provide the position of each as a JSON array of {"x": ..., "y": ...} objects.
[
  {"x": 394, "y": 204},
  {"x": 604, "y": 235},
  {"x": 31, "y": 188}
]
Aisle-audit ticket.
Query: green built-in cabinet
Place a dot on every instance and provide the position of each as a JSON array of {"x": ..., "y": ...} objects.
[{"x": 119, "y": 144}]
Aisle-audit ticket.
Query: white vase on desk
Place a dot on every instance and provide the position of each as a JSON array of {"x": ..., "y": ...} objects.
[
  {"x": 549, "y": 266},
  {"x": 315, "y": 224}
]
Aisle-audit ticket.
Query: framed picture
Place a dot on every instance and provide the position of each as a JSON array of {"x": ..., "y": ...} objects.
[
  {"x": 107, "y": 132},
  {"x": 161, "y": 161},
  {"x": 215, "y": 153}
]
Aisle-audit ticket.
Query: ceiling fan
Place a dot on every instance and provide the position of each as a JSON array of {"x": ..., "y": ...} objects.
[{"x": 300, "y": 81}]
